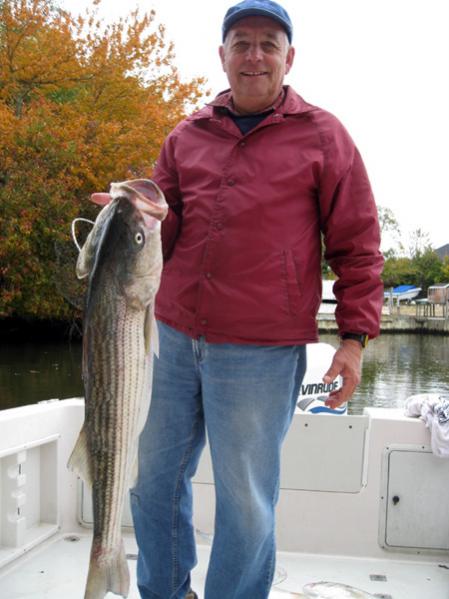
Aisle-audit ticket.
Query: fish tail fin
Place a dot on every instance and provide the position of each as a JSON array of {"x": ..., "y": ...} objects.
[{"x": 107, "y": 574}]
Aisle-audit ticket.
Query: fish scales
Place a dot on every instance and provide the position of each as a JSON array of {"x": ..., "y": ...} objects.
[
  {"x": 115, "y": 361},
  {"x": 123, "y": 258}
]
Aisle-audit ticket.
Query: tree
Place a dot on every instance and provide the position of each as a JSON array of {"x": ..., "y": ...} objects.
[
  {"x": 389, "y": 229},
  {"x": 81, "y": 104},
  {"x": 429, "y": 268},
  {"x": 445, "y": 270},
  {"x": 398, "y": 271},
  {"x": 423, "y": 270},
  {"x": 37, "y": 51},
  {"x": 419, "y": 243}
]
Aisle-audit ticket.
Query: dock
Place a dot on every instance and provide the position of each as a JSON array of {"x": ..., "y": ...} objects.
[{"x": 406, "y": 319}]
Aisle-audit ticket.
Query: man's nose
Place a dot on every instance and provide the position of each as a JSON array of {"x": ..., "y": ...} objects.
[{"x": 255, "y": 53}]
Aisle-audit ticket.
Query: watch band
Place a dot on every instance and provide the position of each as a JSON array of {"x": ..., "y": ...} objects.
[{"x": 362, "y": 338}]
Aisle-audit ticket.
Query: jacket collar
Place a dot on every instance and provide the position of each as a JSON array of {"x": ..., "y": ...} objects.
[
  {"x": 224, "y": 100},
  {"x": 289, "y": 102}
]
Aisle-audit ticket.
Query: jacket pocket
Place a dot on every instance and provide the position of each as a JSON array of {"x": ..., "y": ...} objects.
[{"x": 291, "y": 282}]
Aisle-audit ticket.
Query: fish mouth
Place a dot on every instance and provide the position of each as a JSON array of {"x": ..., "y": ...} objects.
[{"x": 143, "y": 193}]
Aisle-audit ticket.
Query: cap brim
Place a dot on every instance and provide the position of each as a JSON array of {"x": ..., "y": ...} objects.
[{"x": 255, "y": 12}]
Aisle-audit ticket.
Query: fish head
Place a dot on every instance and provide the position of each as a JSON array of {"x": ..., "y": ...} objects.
[
  {"x": 125, "y": 242},
  {"x": 135, "y": 252}
]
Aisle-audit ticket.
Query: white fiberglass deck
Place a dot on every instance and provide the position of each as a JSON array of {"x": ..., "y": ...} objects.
[
  {"x": 57, "y": 570},
  {"x": 363, "y": 502}
]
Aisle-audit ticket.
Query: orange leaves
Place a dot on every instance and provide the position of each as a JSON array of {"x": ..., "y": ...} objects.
[
  {"x": 81, "y": 104},
  {"x": 36, "y": 50}
]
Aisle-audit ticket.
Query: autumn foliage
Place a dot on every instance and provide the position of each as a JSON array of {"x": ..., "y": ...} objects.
[{"x": 82, "y": 104}]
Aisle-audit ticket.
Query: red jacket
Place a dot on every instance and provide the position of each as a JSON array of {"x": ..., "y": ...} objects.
[{"x": 242, "y": 240}]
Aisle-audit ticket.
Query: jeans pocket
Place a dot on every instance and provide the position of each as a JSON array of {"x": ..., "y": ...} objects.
[{"x": 291, "y": 282}]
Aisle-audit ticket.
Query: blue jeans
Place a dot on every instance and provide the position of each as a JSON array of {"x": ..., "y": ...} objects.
[{"x": 244, "y": 397}]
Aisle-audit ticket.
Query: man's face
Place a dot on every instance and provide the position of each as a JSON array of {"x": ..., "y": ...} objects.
[{"x": 255, "y": 57}]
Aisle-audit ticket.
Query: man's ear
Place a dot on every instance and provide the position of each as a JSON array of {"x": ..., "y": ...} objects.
[
  {"x": 221, "y": 52},
  {"x": 289, "y": 59}
]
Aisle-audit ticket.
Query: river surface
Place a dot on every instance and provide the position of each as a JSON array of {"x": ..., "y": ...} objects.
[{"x": 394, "y": 367}]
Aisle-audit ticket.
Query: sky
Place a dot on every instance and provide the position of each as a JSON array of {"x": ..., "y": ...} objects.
[{"x": 381, "y": 66}]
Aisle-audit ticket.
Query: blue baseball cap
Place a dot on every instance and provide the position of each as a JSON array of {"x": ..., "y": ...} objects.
[{"x": 262, "y": 8}]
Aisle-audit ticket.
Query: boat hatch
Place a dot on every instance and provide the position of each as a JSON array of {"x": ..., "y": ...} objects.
[
  {"x": 414, "y": 514},
  {"x": 28, "y": 496}
]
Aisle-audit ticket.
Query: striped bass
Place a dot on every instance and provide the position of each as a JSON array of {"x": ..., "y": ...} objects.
[{"x": 122, "y": 257}]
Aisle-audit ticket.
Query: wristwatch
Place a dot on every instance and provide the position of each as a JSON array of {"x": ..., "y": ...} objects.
[{"x": 362, "y": 338}]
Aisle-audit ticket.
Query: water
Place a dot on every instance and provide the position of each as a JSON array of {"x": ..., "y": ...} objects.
[
  {"x": 397, "y": 366},
  {"x": 394, "y": 367},
  {"x": 32, "y": 372}
]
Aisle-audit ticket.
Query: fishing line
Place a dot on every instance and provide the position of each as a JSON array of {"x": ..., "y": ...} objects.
[
  {"x": 74, "y": 221},
  {"x": 206, "y": 536},
  {"x": 280, "y": 576}
]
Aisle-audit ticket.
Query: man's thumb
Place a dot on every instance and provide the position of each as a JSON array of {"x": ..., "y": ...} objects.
[{"x": 331, "y": 374}]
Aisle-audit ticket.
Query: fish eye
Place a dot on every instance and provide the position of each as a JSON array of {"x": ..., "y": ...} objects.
[{"x": 138, "y": 238}]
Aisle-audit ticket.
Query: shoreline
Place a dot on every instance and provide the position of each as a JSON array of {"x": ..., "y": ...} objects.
[
  {"x": 397, "y": 323},
  {"x": 20, "y": 330}
]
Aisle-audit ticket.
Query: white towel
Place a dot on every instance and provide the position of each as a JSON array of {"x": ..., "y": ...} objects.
[{"x": 433, "y": 409}]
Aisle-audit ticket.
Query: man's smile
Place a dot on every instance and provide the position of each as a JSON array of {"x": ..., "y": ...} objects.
[{"x": 254, "y": 73}]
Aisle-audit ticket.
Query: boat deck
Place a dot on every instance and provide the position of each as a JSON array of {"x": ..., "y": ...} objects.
[
  {"x": 57, "y": 569},
  {"x": 381, "y": 499}
]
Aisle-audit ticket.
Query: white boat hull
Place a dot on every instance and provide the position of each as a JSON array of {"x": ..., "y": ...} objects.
[{"x": 338, "y": 514}]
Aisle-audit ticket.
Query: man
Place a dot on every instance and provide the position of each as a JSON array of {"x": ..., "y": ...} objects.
[{"x": 252, "y": 180}]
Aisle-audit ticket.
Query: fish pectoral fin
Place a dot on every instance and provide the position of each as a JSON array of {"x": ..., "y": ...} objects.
[
  {"x": 154, "y": 337},
  {"x": 151, "y": 333},
  {"x": 79, "y": 460},
  {"x": 148, "y": 328}
]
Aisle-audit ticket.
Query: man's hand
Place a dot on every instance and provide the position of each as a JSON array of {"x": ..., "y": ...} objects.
[{"x": 347, "y": 362}]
